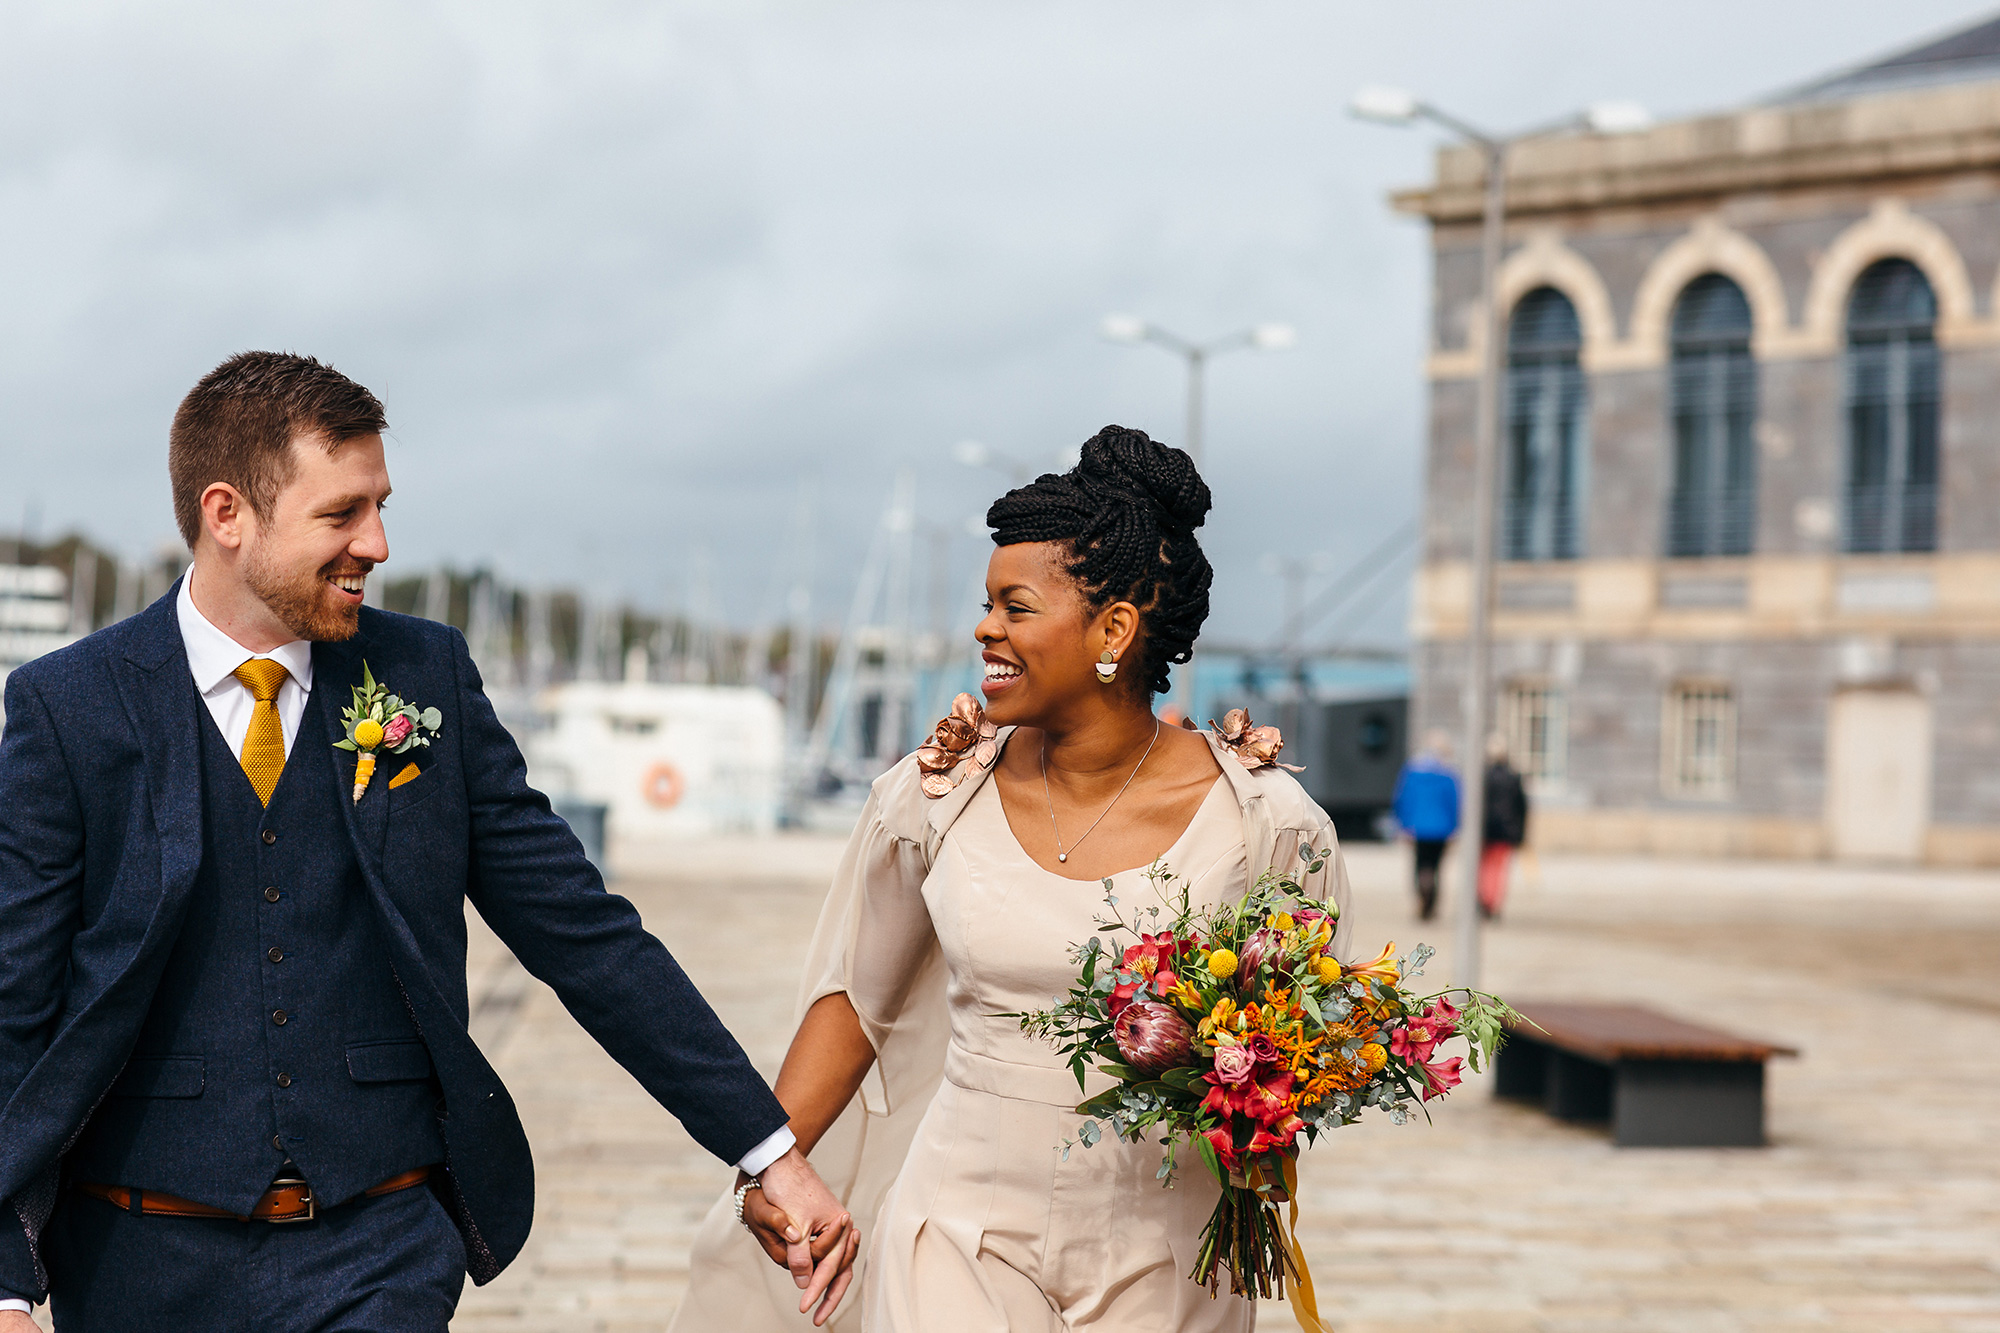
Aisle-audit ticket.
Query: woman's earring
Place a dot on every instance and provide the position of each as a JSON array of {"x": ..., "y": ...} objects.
[{"x": 1107, "y": 667}]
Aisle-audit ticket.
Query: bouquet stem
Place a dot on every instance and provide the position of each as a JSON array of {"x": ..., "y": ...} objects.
[{"x": 1243, "y": 1237}]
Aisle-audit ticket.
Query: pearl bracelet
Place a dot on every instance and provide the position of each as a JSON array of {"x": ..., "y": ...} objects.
[{"x": 754, "y": 1183}]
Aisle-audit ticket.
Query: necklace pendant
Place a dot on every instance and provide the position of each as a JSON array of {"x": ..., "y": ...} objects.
[{"x": 1062, "y": 856}]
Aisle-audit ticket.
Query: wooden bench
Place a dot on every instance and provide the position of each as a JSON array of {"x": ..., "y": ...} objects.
[{"x": 1660, "y": 1082}]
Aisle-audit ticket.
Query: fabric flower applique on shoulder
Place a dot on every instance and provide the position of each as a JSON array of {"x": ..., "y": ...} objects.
[
  {"x": 960, "y": 745},
  {"x": 1254, "y": 746}
]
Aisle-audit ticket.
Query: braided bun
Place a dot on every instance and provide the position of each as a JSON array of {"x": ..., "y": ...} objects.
[{"x": 1127, "y": 514}]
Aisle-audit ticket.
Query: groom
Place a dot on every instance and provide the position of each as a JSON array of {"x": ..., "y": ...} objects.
[{"x": 236, "y": 1090}]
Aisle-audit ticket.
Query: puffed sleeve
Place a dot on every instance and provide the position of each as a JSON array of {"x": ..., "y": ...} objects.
[{"x": 875, "y": 943}]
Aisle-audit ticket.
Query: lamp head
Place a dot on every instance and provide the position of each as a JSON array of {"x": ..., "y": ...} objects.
[
  {"x": 1123, "y": 329},
  {"x": 1274, "y": 337},
  {"x": 1616, "y": 117},
  {"x": 1385, "y": 106}
]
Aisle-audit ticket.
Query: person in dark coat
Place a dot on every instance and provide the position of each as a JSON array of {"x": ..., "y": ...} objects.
[
  {"x": 1506, "y": 826},
  {"x": 1426, "y": 809},
  {"x": 236, "y": 1087}
]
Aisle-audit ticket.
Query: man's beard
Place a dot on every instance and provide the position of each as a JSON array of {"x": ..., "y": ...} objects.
[{"x": 300, "y": 601}]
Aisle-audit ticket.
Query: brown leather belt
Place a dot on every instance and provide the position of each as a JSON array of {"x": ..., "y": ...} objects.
[{"x": 288, "y": 1200}]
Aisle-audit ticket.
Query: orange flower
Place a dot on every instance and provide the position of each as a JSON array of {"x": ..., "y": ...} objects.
[{"x": 1383, "y": 969}]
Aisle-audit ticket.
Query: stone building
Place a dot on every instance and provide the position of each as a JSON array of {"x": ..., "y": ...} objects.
[{"x": 1749, "y": 530}]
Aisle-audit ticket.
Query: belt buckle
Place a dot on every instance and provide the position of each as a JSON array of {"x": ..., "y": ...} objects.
[{"x": 312, "y": 1204}]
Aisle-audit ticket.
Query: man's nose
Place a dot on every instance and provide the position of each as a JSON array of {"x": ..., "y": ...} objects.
[{"x": 372, "y": 542}]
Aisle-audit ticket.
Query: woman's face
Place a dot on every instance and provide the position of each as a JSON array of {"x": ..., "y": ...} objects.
[{"x": 1041, "y": 638}]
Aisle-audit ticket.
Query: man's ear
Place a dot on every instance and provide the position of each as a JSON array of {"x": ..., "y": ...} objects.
[{"x": 225, "y": 515}]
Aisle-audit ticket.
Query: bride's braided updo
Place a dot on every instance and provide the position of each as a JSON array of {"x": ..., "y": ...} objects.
[{"x": 1127, "y": 514}]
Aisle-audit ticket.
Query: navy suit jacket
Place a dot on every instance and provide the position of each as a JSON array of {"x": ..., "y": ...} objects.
[{"x": 100, "y": 842}]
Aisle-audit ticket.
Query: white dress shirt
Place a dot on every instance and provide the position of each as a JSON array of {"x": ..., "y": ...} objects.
[{"x": 212, "y": 657}]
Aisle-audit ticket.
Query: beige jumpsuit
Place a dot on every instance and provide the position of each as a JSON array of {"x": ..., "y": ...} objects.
[{"x": 937, "y": 926}]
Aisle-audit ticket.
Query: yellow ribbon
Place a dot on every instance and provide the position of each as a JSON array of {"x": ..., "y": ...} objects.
[{"x": 1305, "y": 1306}]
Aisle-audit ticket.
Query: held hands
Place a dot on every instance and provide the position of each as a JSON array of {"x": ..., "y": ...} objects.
[{"x": 802, "y": 1227}]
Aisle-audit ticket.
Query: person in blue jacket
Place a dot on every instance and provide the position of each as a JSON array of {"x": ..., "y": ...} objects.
[{"x": 1426, "y": 809}]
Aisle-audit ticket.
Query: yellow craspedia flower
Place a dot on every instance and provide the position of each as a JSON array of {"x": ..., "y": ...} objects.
[
  {"x": 1329, "y": 970},
  {"x": 1373, "y": 1057},
  {"x": 1282, "y": 921},
  {"x": 367, "y": 733},
  {"x": 1222, "y": 964}
]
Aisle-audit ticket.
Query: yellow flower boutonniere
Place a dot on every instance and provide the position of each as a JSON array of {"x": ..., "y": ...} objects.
[{"x": 382, "y": 722}]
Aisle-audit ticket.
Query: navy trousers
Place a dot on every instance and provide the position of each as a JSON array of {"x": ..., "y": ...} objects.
[{"x": 390, "y": 1265}]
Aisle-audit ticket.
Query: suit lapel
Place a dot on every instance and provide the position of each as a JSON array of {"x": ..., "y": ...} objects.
[
  {"x": 336, "y": 671},
  {"x": 158, "y": 694}
]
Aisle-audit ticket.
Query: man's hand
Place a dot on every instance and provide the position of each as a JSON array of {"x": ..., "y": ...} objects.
[
  {"x": 802, "y": 1227},
  {"x": 13, "y": 1321}
]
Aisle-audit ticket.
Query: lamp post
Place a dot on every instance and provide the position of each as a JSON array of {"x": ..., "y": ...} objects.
[
  {"x": 1393, "y": 106},
  {"x": 1133, "y": 330}
]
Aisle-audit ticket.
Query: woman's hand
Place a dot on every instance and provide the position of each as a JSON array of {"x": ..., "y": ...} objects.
[{"x": 819, "y": 1248}]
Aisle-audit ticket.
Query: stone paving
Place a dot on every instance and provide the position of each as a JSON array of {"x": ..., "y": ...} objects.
[{"x": 1875, "y": 1210}]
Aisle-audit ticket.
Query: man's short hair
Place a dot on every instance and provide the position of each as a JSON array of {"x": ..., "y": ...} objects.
[{"x": 237, "y": 426}]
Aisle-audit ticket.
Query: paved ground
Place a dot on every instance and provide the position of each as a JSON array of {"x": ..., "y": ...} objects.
[{"x": 1876, "y": 1209}]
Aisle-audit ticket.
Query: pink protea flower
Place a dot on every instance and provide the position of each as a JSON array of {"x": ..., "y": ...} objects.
[
  {"x": 397, "y": 730},
  {"x": 1152, "y": 1037},
  {"x": 1265, "y": 946}
]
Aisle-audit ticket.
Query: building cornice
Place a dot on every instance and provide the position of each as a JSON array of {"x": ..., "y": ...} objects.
[{"x": 1925, "y": 132}]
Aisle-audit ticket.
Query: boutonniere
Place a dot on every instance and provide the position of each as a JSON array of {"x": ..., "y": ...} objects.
[
  {"x": 381, "y": 722},
  {"x": 1253, "y": 746}
]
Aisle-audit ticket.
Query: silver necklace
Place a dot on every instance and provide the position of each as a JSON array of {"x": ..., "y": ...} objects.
[{"x": 1062, "y": 855}]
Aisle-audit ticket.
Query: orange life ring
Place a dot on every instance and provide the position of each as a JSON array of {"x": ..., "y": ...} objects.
[{"x": 663, "y": 786}]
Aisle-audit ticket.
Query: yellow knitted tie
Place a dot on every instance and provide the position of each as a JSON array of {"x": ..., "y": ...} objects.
[{"x": 264, "y": 744}]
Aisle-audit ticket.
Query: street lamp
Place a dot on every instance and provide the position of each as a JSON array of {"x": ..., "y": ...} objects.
[
  {"x": 1395, "y": 106},
  {"x": 1132, "y": 330}
]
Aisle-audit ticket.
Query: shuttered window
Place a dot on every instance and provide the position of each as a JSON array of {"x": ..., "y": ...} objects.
[
  {"x": 1891, "y": 501},
  {"x": 1547, "y": 430},
  {"x": 1713, "y": 506},
  {"x": 1698, "y": 758}
]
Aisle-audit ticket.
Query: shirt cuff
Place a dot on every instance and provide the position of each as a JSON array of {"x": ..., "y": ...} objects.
[
  {"x": 767, "y": 1152},
  {"x": 22, "y": 1306}
]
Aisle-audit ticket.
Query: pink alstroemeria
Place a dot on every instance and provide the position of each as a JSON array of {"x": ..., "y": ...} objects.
[
  {"x": 1440, "y": 1077},
  {"x": 1154, "y": 956},
  {"x": 1265, "y": 1098},
  {"x": 1413, "y": 1042},
  {"x": 1276, "y": 1136},
  {"x": 1441, "y": 1017},
  {"x": 1224, "y": 1144}
]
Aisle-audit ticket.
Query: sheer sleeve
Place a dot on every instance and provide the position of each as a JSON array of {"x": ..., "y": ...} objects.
[{"x": 875, "y": 942}]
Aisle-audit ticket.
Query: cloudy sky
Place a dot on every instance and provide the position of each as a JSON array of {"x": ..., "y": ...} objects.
[{"x": 634, "y": 278}]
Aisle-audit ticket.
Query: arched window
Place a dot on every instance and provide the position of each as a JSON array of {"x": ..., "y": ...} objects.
[
  {"x": 1713, "y": 508},
  {"x": 1546, "y": 430},
  {"x": 1892, "y": 411}
]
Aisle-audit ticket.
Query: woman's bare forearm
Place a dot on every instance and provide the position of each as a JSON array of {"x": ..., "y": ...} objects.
[{"x": 823, "y": 1070}]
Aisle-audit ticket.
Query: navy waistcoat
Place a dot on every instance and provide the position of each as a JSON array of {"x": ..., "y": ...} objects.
[{"x": 278, "y": 1028}]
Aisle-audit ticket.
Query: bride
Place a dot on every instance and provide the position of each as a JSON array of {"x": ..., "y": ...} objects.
[{"x": 977, "y": 862}]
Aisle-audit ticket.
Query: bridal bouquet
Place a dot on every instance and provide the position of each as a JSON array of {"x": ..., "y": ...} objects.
[{"x": 1235, "y": 1029}]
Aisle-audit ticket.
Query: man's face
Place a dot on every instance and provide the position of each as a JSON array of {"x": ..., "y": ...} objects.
[{"x": 307, "y": 559}]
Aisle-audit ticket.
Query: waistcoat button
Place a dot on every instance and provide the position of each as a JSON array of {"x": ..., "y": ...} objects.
[
  {"x": 284, "y": 1080},
  {"x": 276, "y": 955},
  {"x": 272, "y": 895},
  {"x": 269, "y": 837},
  {"x": 279, "y": 1017}
]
